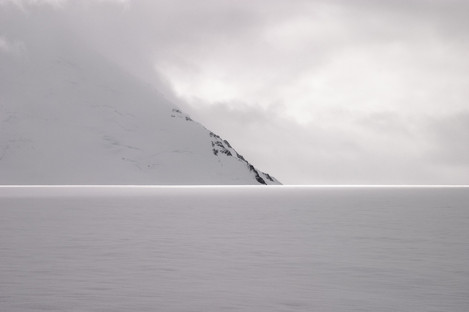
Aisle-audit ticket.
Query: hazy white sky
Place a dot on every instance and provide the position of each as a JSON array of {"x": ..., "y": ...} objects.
[{"x": 311, "y": 91}]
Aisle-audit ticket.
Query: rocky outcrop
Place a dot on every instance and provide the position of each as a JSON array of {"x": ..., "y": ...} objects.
[{"x": 222, "y": 148}]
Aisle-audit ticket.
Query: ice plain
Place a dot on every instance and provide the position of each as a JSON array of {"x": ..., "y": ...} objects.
[{"x": 234, "y": 249}]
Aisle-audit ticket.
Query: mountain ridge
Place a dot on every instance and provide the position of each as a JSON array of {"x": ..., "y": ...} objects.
[{"x": 69, "y": 115}]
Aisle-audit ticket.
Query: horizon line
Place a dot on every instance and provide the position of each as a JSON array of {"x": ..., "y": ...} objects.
[{"x": 232, "y": 186}]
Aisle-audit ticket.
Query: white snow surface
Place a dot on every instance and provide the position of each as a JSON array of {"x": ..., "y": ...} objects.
[
  {"x": 70, "y": 116},
  {"x": 234, "y": 249}
]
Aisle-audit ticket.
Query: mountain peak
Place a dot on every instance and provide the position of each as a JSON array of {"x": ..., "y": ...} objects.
[{"x": 70, "y": 116}]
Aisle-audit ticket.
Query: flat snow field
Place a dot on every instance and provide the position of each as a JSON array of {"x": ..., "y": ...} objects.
[{"x": 234, "y": 249}]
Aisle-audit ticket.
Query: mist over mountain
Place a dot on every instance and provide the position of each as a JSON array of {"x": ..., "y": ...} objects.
[{"x": 70, "y": 115}]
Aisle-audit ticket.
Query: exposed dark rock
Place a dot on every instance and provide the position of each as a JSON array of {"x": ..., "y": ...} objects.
[
  {"x": 256, "y": 174},
  {"x": 219, "y": 144},
  {"x": 269, "y": 177},
  {"x": 227, "y": 152},
  {"x": 213, "y": 135},
  {"x": 260, "y": 180},
  {"x": 240, "y": 156}
]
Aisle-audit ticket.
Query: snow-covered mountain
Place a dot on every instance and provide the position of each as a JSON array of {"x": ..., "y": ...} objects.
[{"x": 69, "y": 115}]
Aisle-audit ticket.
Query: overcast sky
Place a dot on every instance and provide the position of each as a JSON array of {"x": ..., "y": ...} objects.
[{"x": 313, "y": 91}]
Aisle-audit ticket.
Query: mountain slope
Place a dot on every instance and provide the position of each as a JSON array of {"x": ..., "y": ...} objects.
[{"x": 70, "y": 116}]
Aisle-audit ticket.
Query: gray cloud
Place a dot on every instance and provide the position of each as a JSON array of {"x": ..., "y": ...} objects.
[
  {"x": 448, "y": 136},
  {"x": 6, "y": 46},
  {"x": 356, "y": 91}
]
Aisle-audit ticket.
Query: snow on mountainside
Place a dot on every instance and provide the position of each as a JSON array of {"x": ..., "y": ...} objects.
[{"x": 68, "y": 115}]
